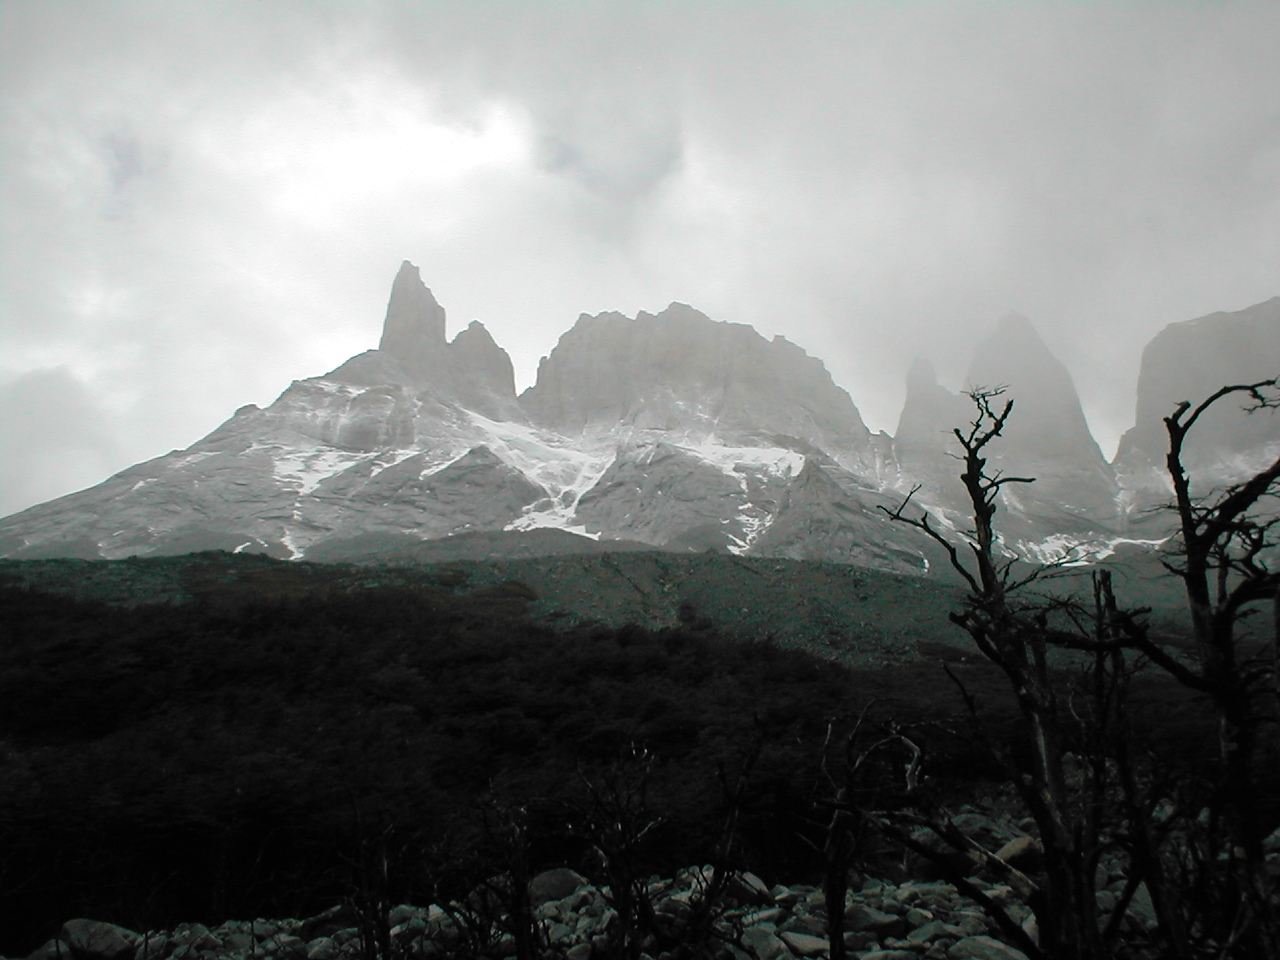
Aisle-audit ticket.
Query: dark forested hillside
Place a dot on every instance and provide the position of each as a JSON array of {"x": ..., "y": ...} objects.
[{"x": 237, "y": 747}]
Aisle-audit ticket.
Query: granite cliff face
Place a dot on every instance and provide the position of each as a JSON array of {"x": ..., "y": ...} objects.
[
  {"x": 679, "y": 372},
  {"x": 1189, "y": 361},
  {"x": 669, "y": 430},
  {"x": 387, "y": 441},
  {"x": 1074, "y": 496},
  {"x": 923, "y": 444}
]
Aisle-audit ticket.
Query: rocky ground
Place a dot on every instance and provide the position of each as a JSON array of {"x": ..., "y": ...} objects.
[
  {"x": 574, "y": 919},
  {"x": 881, "y": 922}
]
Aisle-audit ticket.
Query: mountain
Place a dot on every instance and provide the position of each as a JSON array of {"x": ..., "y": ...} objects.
[
  {"x": 1189, "y": 361},
  {"x": 669, "y": 430},
  {"x": 680, "y": 373},
  {"x": 1074, "y": 497},
  {"x": 666, "y": 431},
  {"x": 924, "y": 445}
]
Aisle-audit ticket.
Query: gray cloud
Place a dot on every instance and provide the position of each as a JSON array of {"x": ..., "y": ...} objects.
[
  {"x": 52, "y": 429},
  {"x": 200, "y": 202}
]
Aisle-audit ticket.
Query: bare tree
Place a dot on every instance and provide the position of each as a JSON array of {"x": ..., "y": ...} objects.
[
  {"x": 1017, "y": 636},
  {"x": 1203, "y": 862},
  {"x": 1226, "y": 556}
]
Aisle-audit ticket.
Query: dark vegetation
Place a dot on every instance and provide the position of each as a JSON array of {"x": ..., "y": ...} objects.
[
  {"x": 1189, "y": 831},
  {"x": 859, "y": 616},
  {"x": 278, "y": 738},
  {"x": 238, "y": 753}
]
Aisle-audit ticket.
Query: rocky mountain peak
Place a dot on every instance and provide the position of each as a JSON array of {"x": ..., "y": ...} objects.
[
  {"x": 413, "y": 332},
  {"x": 930, "y": 411},
  {"x": 484, "y": 379},
  {"x": 680, "y": 370},
  {"x": 669, "y": 428},
  {"x": 1189, "y": 361},
  {"x": 1047, "y": 436},
  {"x": 1048, "y": 420}
]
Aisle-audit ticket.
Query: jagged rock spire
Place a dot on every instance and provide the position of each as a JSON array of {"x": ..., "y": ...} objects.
[
  {"x": 413, "y": 332},
  {"x": 1048, "y": 420}
]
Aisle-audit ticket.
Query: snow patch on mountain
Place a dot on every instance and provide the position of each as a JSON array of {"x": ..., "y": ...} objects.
[
  {"x": 307, "y": 468},
  {"x": 734, "y": 461}
]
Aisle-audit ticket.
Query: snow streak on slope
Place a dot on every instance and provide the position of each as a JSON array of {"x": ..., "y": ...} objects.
[
  {"x": 306, "y": 469},
  {"x": 741, "y": 463},
  {"x": 734, "y": 461},
  {"x": 566, "y": 472}
]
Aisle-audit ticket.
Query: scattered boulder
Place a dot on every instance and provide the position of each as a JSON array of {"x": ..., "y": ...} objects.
[
  {"x": 326, "y": 924},
  {"x": 95, "y": 940},
  {"x": 804, "y": 945},
  {"x": 913, "y": 920},
  {"x": 555, "y": 884},
  {"x": 983, "y": 948},
  {"x": 1023, "y": 853},
  {"x": 860, "y": 917},
  {"x": 746, "y": 888},
  {"x": 765, "y": 944}
]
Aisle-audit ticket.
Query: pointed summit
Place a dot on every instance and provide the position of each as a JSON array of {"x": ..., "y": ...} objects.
[
  {"x": 929, "y": 413},
  {"x": 1047, "y": 436},
  {"x": 413, "y": 332},
  {"x": 1048, "y": 419},
  {"x": 489, "y": 386}
]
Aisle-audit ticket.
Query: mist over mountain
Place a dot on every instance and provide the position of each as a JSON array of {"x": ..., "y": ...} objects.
[
  {"x": 1189, "y": 361},
  {"x": 1046, "y": 438},
  {"x": 680, "y": 372},
  {"x": 669, "y": 430}
]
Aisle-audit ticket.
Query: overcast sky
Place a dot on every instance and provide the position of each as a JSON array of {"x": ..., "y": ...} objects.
[{"x": 202, "y": 201}]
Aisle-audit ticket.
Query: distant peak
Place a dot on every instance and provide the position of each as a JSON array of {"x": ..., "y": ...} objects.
[
  {"x": 676, "y": 310},
  {"x": 475, "y": 331},
  {"x": 413, "y": 330}
]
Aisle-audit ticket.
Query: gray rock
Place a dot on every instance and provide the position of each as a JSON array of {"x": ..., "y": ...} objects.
[
  {"x": 1189, "y": 361},
  {"x": 413, "y": 332},
  {"x": 804, "y": 945},
  {"x": 322, "y": 948},
  {"x": 746, "y": 888},
  {"x": 769, "y": 915},
  {"x": 95, "y": 940},
  {"x": 983, "y": 948},
  {"x": 814, "y": 926},
  {"x": 1142, "y": 910},
  {"x": 917, "y": 917},
  {"x": 1023, "y": 853},
  {"x": 680, "y": 370},
  {"x": 555, "y": 884},
  {"x": 658, "y": 493},
  {"x": 240, "y": 943},
  {"x": 403, "y": 913},
  {"x": 325, "y": 924},
  {"x": 53, "y": 949},
  {"x": 764, "y": 944},
  {"x": 154, "y": 945},
  {"x": 860, "y": 917},
  {"x": 862, "y": 941},
  {"x": 934, "y": 930}
]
